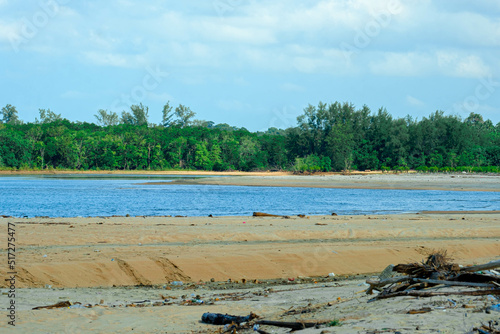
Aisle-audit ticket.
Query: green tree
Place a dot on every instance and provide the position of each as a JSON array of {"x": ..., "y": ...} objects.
[
  {"x": 168, "y": 115},
  {"x": 184, "y": 116},
  {"x": 106, "y": 118},
  {"x": 138, "y": 115},
  {"x": 141, "y": 114},
  {"x": 10, "y": 115},
  {"x": 248, "y": 151},
  {"x": 202, "y": 159},
  {"x": 48, "y": 116}
]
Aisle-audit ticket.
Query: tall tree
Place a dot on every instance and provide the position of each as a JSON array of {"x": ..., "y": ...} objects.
[
  {"x": 48, "y": 116},
  {"x": 141, "y": 114},
  {"x": 184, "y": 116},
  {"x": 138, "y": 116},
  {"x": 9, "y": 115},
  {"x": 168, "y": 114},
  {"x": 106, "y": 118}
]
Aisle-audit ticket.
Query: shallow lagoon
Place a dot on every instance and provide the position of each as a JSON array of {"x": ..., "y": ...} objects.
[{"x": 104, "y": 195}]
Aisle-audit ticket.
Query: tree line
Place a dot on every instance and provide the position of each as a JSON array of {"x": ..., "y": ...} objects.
[{"x": 327, "y": 137}]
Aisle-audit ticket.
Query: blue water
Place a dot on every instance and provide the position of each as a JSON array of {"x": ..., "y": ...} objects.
[{"x": 105, "y": 196}]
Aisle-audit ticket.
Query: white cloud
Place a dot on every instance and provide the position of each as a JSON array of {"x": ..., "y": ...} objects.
[
  {"x": 453, "y": 64},
  {"x": 444, "y": 63},
  {"x": 414, "y": 101},
  {"x": 402, "y": 64},
  {"x": 9, "y": 31}
]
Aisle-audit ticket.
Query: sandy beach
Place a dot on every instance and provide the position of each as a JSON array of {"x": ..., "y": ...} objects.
[
  {"x": 125, "y": 259},
  {"x": 130, "y": 267}
]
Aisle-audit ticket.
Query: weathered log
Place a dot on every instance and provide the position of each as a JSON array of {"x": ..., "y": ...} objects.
[
  {"x": 263, "y": 214},
  {"x": 291, "y": 325},
  {"x": 479, "y": 267},
  {"x": 378, "y": 284},
  {"x": 57, "y": 305},
  {"x": 434, "y": 294},
  {"x": 452, "y": 283},
  {"x": 476, "y": 278}
]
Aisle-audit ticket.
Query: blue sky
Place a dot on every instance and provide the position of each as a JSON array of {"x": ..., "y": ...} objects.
[{"x": 250, "y": 63}]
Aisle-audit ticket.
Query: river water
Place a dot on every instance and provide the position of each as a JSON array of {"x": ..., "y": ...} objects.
[{"x": 73, "y": 196}]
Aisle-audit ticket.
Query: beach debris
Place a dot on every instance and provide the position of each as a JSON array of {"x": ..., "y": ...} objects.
[
  {"x": 493, "y": 308},
  {"x": 263, "y": 214},
  {"x": 293, "y": 325},
  {"x": 177, "y": 283},
  {"x": 77, "y": 305},
  {"x": 436, "y": 271},
  {"x": 65, "y": 303},
  {"x": 225, "y": 319},
  {"x": 491, "y": 328},
  {"x": 420, "y": 311}
]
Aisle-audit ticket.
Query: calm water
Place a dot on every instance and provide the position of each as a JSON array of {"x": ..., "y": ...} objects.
[{"x": 105, "y": 196}]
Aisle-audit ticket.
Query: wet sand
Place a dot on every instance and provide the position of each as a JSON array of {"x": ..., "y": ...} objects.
[{"x": 407, "y": 181}]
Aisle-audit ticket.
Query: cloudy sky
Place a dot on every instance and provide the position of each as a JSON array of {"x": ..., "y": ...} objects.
[{"x": 250, "y": 63}]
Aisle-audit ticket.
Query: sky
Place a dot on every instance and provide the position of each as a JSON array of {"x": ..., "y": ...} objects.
[{"x": 250, "y": 63}]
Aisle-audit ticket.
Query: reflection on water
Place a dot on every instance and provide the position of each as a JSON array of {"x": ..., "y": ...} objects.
[{"x": 106, "y": 195}]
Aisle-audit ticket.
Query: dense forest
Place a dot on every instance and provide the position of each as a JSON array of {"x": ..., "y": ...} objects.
[{"x": 334, "y": 137}]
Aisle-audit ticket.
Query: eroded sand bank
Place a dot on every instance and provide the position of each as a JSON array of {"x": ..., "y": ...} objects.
[{"x": 89, "y": 252}]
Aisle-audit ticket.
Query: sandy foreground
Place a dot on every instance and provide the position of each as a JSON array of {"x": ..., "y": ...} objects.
[{"x": 118, "y": 261}]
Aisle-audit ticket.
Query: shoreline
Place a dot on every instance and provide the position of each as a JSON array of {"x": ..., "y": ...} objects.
[{"x": 439, "y": 212}]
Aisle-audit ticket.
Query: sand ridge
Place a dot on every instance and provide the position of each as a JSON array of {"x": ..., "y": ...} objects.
[{"x": 125, "y": 251}]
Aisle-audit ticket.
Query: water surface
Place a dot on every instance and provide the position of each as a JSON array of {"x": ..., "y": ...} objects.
[{"x": 105, "y": 195}]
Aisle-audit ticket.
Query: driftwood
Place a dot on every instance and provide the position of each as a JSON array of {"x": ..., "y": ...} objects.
[
  {"x": 436, "y": 270},
  {"x": 479, "y": 267},
  {"x": 452, "y": 283},
  {"x": 292, "y": 325},
  {"x": 375, "y": 284},
  {"x": 414, "y": 293},
  {"x": 223, "y": 319},
  {"x": 262, "y": 214},
  {"x": 420, "y": 311},
  {"x": 57, "y": 305}
]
